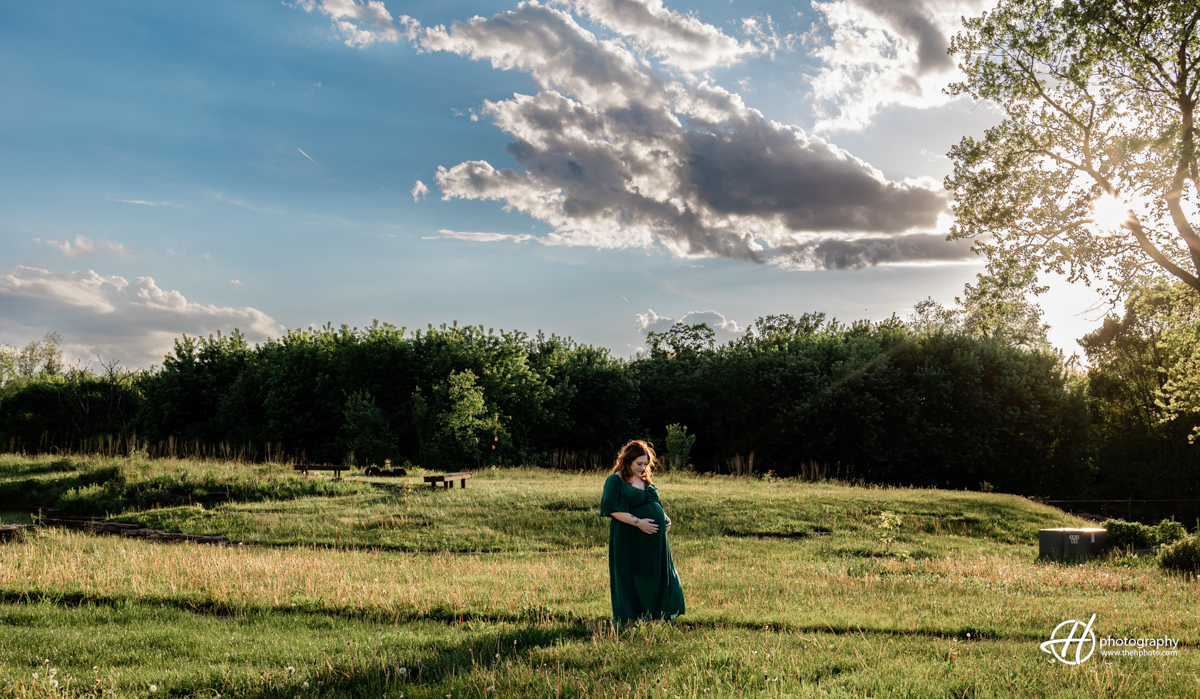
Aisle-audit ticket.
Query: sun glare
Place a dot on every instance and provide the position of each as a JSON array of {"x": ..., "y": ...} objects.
[{"x": 1110, "y": 212}]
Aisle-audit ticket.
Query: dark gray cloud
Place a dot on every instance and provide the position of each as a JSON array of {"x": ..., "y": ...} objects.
[
  {"x": 912, "y": 20},
  {"x": 765, "y": 170},
  {"x": 614, "y": 156},
  {"x": 848, "y": 253}
]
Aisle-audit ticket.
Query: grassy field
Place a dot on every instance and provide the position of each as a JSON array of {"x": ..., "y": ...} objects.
[{"x": 376, "y": 587}]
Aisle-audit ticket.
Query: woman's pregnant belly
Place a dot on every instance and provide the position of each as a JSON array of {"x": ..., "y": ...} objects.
[{"x": 650, "y": 510}]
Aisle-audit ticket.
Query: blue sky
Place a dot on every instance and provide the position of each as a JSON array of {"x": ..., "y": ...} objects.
[{"x": 170, "y": 168}]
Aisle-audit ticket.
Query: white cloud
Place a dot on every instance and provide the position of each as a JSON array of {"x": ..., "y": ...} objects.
[
  {"x": 550, "y": 46},
  {"x": 482, "y": 237},
  {"x": 135, "y": 322},
  {"x": 677, "y": 40},
  {"x": 142, "y": 202},
  {"x": 652, "y": 322},
  {"x": 235, "y": 282},
  {"x": 606, "y": 159},
  {"x": 884, "y": 52},
  {"x": 359, "y": 23},
  {"x": 419, "y": 190},
  {"x": 726, "y": 329},
  {"x": 86, "y": 246},
  {"x": 768, "y": 38},
  {"x": 608, "y": 164}
]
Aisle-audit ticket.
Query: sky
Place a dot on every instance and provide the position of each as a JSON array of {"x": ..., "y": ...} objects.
[{"x": 591, "y": 168}]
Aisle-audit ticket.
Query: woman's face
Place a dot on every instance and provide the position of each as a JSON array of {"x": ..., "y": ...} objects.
[{"x": 639, "y": 465}]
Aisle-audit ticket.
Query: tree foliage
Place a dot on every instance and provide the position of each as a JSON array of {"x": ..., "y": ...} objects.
[
  {"x": 995, "y": 309},
  {"x": 74, "y": 410},
  {"x": 38, "y": 358},
  {"x": 878, "y": 402},
  {"x": 1140, "y": 424},
  {"x": 1093, "y": 172},
  {"x": 875, "y": 401}
]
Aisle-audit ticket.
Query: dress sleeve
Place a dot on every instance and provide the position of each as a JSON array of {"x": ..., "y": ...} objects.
[{"x": 611, "y": 501}]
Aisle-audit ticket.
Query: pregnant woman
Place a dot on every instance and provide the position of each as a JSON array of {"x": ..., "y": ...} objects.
[{"x": 642, "y": 578}]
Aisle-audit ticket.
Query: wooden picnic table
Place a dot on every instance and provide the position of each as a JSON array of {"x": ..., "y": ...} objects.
[
  {"x": 337, "y": 470},
  {"x": 447, "y": 479}
]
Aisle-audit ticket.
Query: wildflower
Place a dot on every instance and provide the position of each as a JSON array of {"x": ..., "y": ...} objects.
[
  {"x": 497, "y": 655},
  {"x": 305, "y": 685},
  {"x": 153, "y": 688},
  {"x": 290, "y": 669},
  {"x": 35, "y": 675},
  {"x": 402, "y": 671},
  {"x": 53, "y": 683},
  {"x": 53, "y": 671}
]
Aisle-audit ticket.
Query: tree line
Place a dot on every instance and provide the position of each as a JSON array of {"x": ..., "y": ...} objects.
[{"x": 930, "y": 401}]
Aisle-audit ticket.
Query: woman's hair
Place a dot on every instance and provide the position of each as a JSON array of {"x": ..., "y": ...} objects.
[{"x": 632, "y": 451}]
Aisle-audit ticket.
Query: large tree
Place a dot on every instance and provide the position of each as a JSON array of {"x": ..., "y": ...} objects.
[{"x": 1093, "y": 172}]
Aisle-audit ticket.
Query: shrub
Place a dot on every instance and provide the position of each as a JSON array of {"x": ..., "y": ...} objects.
[
  {"x": 1129, "y": 535},
  {"x": 1183, "y": 555},
  {"x": 1169, "y": 531},
  {"x": 679, "y": 447},
  {"x": 95, "y": 499}
]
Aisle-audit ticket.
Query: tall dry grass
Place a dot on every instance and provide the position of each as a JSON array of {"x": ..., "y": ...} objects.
[{"x": 743, "y": 583}]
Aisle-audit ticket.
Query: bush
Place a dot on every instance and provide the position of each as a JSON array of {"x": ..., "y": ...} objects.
[
  {"x": 1169, "y": 531},
  {"x": 95, "y": 500},
  {"x": 1129, "y": 535},
  {"x": 679, "y": 447},
  {"x": 1135, "y": 535},
  {"x": 1183, "y": 555}
]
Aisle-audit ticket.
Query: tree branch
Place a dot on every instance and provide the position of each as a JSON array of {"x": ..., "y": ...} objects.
[
  {"x": 1047, "y": 98},
  {"x": 1187, "y": 157},
  {"x": 1135, "y": 227}
]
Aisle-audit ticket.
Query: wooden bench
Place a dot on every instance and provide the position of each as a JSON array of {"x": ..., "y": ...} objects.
[
  {"x": 447, "y": 479},
  {"x": 337, "y": 470}
]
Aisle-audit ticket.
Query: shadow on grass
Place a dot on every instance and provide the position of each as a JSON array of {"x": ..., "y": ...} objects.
[
  {"x": 46, "y": 492},
  {"x": 567, "y": 624},
  {"x": 37, "y": 468}
]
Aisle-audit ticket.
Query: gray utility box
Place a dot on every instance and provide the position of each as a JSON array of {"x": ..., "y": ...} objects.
[{"x": 1072, "y": 543}]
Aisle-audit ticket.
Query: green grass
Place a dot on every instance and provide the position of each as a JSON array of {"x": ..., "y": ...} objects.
[
  {"x": 99, "y": 487},
  {"x": 792, "y": 590},
  {"x": 134, "y": 646},
  {"x": 528, "y": 510}
]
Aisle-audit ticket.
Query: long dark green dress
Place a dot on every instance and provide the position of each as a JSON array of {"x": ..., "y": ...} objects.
[{"x": 641, "y": 575}]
